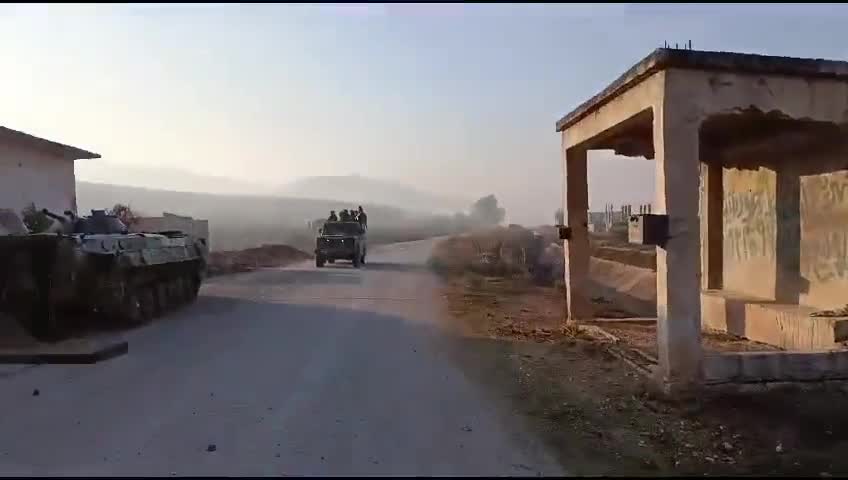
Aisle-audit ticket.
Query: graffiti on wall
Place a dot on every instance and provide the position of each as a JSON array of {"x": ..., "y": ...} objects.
[
  {"x": 816, "y": 228},
  {"x": 749, "y": 220},
  {"x": 825, "y": 257},
  {"x": 822, "y": 193},
  {"x": 824, "y": 213}
]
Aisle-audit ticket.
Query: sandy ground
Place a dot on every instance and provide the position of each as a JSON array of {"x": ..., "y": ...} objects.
[
  {"x": 304, "y": 371},
  {"x": 594, "y": 410}
]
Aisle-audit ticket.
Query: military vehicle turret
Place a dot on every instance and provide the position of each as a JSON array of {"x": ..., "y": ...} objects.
[{"x": 91, "y": 266}]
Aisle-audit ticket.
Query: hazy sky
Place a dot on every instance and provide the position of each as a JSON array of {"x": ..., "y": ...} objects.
[{"x": 459, "y": 99}]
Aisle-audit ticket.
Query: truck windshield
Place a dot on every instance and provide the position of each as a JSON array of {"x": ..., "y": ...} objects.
[{"x": 342, "y": 228}]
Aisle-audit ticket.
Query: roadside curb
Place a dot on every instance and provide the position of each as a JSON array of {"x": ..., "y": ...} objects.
[{"x": 103, "y": 353}]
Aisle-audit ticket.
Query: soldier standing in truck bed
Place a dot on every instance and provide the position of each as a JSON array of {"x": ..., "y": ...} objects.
[
  {"x": 362, "y": 218},
  {"x": 344, "y": 216},
  {"x": 333, "y": 217}
]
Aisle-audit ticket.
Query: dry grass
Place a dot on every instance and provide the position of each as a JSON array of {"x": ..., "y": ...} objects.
[
  {"x": 617, "y": 288},
  {"x": 507, "y": 252}
]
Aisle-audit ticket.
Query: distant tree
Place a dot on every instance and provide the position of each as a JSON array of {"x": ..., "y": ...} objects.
[
  {"x": 486, "y": 211},
  {"x": 34, "y": 219},
  {"x": 125, "y": 214},
  {"x": 460, "y": 222},
  {"x": 559, "y": 217}
]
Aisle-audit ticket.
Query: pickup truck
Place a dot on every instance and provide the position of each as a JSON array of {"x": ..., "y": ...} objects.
[{"x": 341, "y": 241}]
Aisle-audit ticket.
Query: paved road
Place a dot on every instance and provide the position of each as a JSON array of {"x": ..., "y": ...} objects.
[{"x": 300, "y": 371}]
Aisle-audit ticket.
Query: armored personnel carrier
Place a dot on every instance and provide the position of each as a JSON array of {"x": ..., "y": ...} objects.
[{"x": 92, "y": 266}]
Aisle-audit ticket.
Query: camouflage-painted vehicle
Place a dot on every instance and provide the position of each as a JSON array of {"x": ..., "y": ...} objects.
[
  {"x": 93, "y": 266},
  {"x": 341, "y": 241}
]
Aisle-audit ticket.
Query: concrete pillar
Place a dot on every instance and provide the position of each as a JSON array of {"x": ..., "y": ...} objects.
[
  {"x": 676, "y": 144},
  {"x": 577, "y": 248},
  {"x": 711, "y": 206},
  {"x": 788, "y": 280}
]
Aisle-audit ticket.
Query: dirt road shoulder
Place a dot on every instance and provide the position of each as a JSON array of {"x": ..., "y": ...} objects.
[{"x": 595, "y": 413}]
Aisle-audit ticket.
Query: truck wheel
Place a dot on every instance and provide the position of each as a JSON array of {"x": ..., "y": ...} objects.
[
  {"x": 331, "y": 260},
  {"x": 319, "y": 262}
]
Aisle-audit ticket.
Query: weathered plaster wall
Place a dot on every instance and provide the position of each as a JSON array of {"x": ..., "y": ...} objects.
[
  {"x": 29, "y": 175},
  {"x": 786, "y": 230},
  {"x": 785, "y": 216},
  {"x": 710, "y": 93},
  {"x": 824, "y": 235},
  {"x": 749, "y": 224}
]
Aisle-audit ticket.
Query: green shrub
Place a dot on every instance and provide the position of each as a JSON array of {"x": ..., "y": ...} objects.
[{"x": 35, "y": 220}]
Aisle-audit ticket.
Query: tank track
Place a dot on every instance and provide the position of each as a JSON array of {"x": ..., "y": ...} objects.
[
  {"x": 131, "y": 298},
  {"x": 142, "y": 294}
]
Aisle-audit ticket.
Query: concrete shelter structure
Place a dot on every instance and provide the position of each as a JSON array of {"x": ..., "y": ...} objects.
[
  {"x": 751, "y": 159},
  {"x": 35, "y": 170}
]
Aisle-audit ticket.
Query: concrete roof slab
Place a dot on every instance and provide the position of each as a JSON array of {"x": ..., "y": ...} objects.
[
  {"x": 665, "y": 58},
  {"x": 67, "y": 151}
]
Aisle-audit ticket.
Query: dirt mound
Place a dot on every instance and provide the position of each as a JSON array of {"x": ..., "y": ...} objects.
[{"x": 266, "y": 256}]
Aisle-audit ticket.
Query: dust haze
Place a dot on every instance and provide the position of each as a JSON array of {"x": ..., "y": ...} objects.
[
  {"x": 247, "y": 215},
  {"x": 532, "y": 201}
]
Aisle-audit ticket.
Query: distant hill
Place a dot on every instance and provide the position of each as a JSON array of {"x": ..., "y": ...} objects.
[
  {"x": 166, "y": 178},
  {"x": 346, "y": 191},
  {"x": 355, "y": 189},
  {"x": 231, "y": 208}
]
